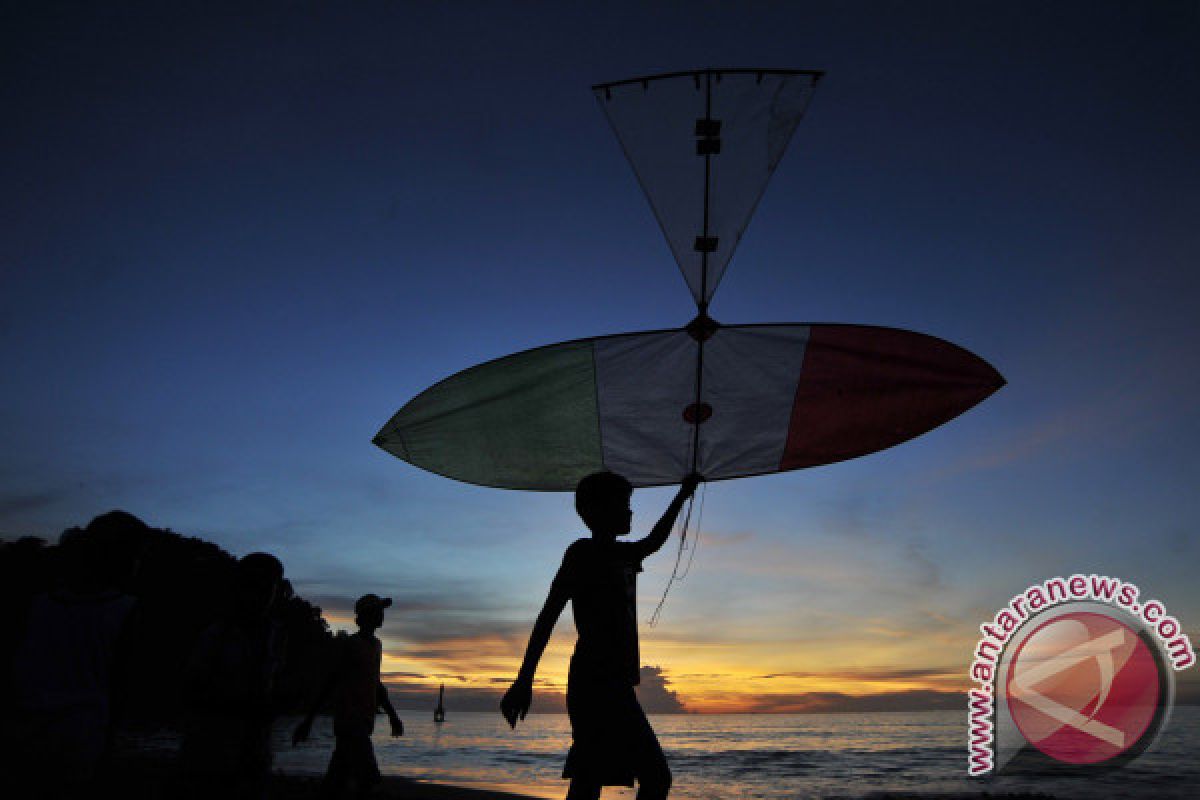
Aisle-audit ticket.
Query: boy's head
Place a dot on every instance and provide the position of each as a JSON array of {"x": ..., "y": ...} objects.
[
  {"x": 602, "y": 500},
  {"x": 368, "y": 611},
  {"x": 105, "y": 554},
  {"x": 256, "y": 584}
]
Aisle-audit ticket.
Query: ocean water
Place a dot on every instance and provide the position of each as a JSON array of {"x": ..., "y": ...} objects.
[{"x": 760, "y": 756}]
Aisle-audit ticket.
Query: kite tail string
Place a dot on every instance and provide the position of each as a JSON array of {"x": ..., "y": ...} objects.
[{"x": 687, "y": 518}]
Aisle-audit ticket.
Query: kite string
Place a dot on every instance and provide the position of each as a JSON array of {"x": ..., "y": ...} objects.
[
  {"x": 687, "y": 517},
  {"x": 695, "y": 533}
]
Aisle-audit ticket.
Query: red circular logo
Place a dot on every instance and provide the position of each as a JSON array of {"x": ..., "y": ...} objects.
[{"x": 1083, "y": 688}]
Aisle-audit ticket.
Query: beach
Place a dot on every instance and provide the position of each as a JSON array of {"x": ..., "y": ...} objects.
[
  {"x": 736, "y": 756},
  {"x": 153, "y": 778}
]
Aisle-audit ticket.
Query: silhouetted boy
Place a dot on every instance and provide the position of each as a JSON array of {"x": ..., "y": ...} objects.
[
  {"x": 613, "y": 743},
  {"x": 359, "y": 694},
  {"x": 63, "y": 668},
  {"x": 228, "y": 688}
]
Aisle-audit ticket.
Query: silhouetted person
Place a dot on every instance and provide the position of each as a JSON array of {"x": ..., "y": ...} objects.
[
  {"x": 439, "y": 712},
  {"x": 63, "y": 667},
  {"x": 228, "y": 690},
  {"x": 613, "y": 743},
  {"x": 358, "y": 695}
]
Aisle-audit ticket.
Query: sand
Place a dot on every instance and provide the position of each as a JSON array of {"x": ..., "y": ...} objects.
[
  {"x": 149, "y": 778},
  {"x": 392, "y": 788}
]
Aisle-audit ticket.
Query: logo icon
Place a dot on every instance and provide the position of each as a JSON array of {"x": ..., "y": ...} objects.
[
  {"x": 1079, "y": 671},
  {"x": 1084, "y": 688}
]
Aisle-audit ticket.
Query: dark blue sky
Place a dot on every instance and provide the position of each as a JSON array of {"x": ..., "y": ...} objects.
[{"x": 235, "y": 241}]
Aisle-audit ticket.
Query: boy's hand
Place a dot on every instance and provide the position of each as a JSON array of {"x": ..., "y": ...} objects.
[
  {"x": 301, "y": 732},
  {"x": 397, "y": 727},
  {"x": 690, "y": 483},
  {"x": 516, "y": 701}
]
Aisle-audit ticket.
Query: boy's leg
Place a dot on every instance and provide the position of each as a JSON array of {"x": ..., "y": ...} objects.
[
  {"x": 656, "y": 783},
  {"x": 357, "y": 763},
  {"x": 367, "y": 773},
  {"x": 653, "y": 774},
  {"x": 583, "y": 790},
  {"x": 335, "y": 774}
]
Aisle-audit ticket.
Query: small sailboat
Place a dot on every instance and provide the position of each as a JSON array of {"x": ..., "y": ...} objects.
[{"x": 439, "y": 713}]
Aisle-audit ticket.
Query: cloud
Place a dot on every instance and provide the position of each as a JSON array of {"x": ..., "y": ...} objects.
[
  {"x": 450, "y": 628},
  {"x": 420, "y": 618},
  {"x": 23, "y": 502},
  {"x": 470, "y": 698},
  {"x": 655, "y": 693},
  {"x": 818, "y": 702},
  {"x": 470, "y": 654},
  {"x": 920, "y": 673},
  {"x": 1101, "y": 417},
  {"x": 656, "y": 698},
  {"x": 402, "y": 602}
]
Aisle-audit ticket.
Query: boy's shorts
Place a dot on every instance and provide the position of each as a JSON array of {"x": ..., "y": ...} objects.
[
  {"x": 613, "y": 741},
  {"x": 353, "y": 757}
]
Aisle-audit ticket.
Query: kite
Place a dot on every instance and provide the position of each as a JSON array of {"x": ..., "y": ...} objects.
[{"x": 727, "y": 401}]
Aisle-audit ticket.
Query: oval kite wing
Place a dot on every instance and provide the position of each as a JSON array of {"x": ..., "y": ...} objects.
[{"x": 774, "y": 398}]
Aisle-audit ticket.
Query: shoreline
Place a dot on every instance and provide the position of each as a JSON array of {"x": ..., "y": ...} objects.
[
  {"x": 150, "y": 778},
  {"x": 392, "y": 787},
  {"x": 153, "y": 778}
]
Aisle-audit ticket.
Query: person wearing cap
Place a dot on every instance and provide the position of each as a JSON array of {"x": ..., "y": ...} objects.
[{"x": 358, "y": 694}]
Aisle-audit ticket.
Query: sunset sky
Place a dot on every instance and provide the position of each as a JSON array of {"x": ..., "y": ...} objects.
[{"x": 235, "y": 242}]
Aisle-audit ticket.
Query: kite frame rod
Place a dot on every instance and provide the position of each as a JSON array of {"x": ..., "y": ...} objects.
[
  {"x": 816, "y": 75},
  {"x": 702, "y": 305}
]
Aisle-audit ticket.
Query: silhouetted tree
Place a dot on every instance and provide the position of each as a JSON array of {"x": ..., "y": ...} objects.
[{"x": 181, "y": 584}]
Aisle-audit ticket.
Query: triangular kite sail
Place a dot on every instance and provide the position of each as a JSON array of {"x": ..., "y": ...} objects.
[{"x": 703, "y": 145}]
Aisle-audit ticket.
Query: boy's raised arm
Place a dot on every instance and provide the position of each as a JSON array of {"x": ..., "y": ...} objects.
[
  {"x": 662, "y": 529},
  {"x": 516, "y": 701}
]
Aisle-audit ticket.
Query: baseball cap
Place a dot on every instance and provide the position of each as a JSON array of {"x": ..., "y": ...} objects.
[{"x": 370, "y": 602}]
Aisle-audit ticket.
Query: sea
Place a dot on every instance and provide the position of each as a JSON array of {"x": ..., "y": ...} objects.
[{"x": 735, "y": 756}]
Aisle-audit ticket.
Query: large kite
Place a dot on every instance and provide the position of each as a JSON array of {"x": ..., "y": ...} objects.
[{"x": 727, "y": 401}]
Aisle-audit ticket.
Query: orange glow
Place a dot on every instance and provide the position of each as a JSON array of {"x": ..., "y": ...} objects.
[
  {"x": 707, "y": 677},
  {"x": 790, "y": 634}
]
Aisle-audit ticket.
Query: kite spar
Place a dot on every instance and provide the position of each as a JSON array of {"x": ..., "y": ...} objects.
[
  {"x": 726, "y": 401},
  {"x": 737, "y": 145}
]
